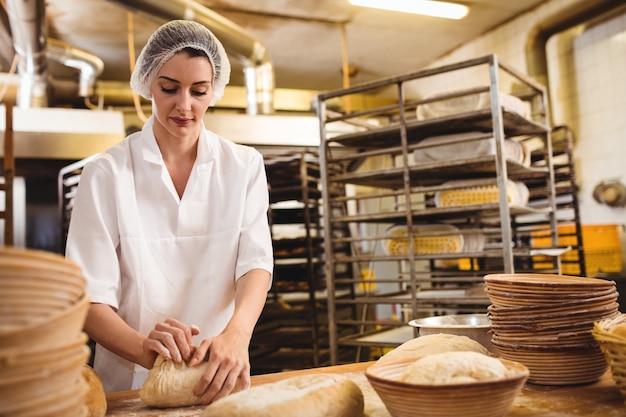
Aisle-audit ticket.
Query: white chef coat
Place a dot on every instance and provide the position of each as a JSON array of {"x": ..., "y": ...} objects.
[{"x": 152, "y": 255}]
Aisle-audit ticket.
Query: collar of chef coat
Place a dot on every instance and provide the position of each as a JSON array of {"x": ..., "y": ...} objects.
[{"x": 152, "y": 154}]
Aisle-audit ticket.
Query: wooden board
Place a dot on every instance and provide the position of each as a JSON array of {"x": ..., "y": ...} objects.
[{"x": 601, "y": 399}]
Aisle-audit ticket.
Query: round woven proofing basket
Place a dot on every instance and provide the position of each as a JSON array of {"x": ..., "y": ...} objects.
[
  {"x": 58, "y": 284},
  {"x": 614, "y": 348},
  {"x": 35, "y": 287},
  {"x": 38, "y": 257},
  {"x": 67, "y": 400},
  {"x": 49, "y": 330},
  {"x": 556, "y": 365},
  {"x": 49, "y": 385},
  {"x": 480, "y": 399},
  {"x": 19, "y": 360},
  {"x": 43, "y": 349}
]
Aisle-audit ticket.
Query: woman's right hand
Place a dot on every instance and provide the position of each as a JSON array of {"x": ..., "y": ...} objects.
[{"x": 170, "y": 339}]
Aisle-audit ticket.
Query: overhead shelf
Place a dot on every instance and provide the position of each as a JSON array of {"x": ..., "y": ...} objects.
[
  {"x": 436, "y": 173},
  {"x": 479, "y": 120}
]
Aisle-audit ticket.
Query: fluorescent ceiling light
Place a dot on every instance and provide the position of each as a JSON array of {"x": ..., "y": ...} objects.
[{"x": 424, "y": 7}]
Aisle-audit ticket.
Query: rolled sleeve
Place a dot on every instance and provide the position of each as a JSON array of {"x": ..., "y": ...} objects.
[
  {"x": 93, "y": 237},
  {"x": 255, "y": 243}
]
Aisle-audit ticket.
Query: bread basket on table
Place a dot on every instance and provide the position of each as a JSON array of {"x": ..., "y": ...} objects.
[
  {"x": 489, "y": 398},
  {"x": 610, "y": 334}
]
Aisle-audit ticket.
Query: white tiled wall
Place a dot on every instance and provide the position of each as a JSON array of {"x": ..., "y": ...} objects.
[
  {"x": 587, "y": 78},
  {"x": 596, "y": 106}
]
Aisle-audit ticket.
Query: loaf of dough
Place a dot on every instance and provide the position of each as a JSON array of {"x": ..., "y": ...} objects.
[
  {"x": 95, "y": 400},
  {"x": 171, "y": 384},
  {"x": 434, "y": 343},
  {"x": 454, "y": 367},
  {"x": 316, "y": 395}
]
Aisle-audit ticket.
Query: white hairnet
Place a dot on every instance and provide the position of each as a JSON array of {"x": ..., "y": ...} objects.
[{"x": 171, "y": 38}]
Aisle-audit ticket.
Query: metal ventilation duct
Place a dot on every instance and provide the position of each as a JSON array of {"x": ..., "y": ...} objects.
[
  {"x": 34, "y": 49},
  {"x": 58, "y": 133},
  {"x": 27, "y": 22},
  {"x": 258, "y": 67},
  {"x": 89, "y": 65},
  {"x": 27, "y": 18}
]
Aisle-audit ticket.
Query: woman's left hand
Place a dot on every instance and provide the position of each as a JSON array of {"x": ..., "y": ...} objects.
[
  {"x": 228, "y": 366},
  {"x": 171, "y": 339}
]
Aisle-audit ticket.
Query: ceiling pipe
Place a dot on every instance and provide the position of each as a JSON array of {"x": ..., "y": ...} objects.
[
  {"x": 89, "y": 65},
  {"x": 560, "y": 20},
  {"x": 35, "y": 51},
  {"x": 258, "y": 68},
  {"x": 27, "y": 21}
]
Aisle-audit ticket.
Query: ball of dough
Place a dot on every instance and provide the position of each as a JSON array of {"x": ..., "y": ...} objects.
[
  {"x": 454, "y": 367},
  {"x": 171, "y": 384},
  {"x": 95, "y": 401},
  {"x": 434, "y": 343}
]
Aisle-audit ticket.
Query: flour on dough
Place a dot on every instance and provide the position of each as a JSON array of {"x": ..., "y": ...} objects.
[
  {"x": 454, "y": 367},
  {"x": 171, "y": 384},
  {"x": 434, "y": 343}
]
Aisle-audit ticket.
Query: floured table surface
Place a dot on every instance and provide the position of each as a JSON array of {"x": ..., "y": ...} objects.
[{"x": 601, "y": 399}]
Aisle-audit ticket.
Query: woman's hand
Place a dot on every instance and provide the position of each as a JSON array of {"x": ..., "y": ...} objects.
[
  {"x": 172, "y": 340},
  {"x": 228, "y": 366}
]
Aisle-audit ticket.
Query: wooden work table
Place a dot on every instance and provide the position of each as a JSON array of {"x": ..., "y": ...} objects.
[{"x": 601, "y": 399}]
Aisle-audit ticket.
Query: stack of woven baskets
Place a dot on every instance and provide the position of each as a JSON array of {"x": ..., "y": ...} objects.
[
  {"x": 544, "y": 321},
  {"x": 43, "y": 350}
]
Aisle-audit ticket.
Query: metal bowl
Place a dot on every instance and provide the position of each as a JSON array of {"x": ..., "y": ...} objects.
[{"x": 474, "y": 326}]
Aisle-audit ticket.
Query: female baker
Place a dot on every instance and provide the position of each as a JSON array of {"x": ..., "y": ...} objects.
[{"x": 170, "y": 227}]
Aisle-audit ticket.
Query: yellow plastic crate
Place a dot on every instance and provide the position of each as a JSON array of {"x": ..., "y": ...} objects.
[
  {"x": 398, "y": 242},
  {"x": 487, "y": 194},
  {"x": 601, "y": 244}
]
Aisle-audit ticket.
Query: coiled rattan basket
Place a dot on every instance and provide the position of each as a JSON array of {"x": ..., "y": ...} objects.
[{"x": 612, "y": 341}]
